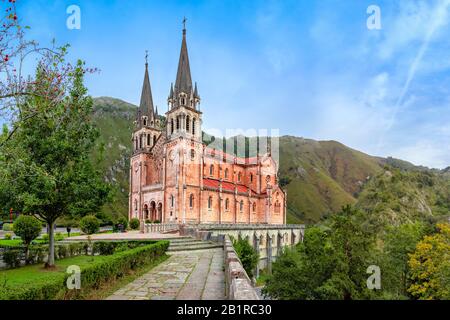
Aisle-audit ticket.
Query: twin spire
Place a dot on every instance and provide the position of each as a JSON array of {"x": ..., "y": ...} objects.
[
  {"x": 183, "y": 86},
  {"x": 146, "y": 105}
]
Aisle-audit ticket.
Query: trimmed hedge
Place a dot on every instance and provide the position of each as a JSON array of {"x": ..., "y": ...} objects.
[
  {"x": 13, "y": 255},
  {"x": 112, "y": 267}
]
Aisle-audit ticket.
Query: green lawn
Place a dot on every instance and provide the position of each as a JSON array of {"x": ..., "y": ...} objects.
[
  {"x": 10, "y": 242},
  {"x": 37, "y": 273}
]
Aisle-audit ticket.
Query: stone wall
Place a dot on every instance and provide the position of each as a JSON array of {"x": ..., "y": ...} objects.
[
  {"x": 238, "y": 285},
  {"x": 267, "y": 239}
]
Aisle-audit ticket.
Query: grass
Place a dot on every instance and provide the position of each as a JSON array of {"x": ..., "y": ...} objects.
[
  {"x": 11, "y": 243},
  {"x": 37, "y": 276},
  {"x": 36, "y": 273},
  {"x": 263, "y": 277}
]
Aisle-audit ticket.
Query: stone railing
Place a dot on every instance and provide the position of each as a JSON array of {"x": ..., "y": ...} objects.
[
  {"x": 237, "y": 283},
  {"x": 161, "y": 227}
]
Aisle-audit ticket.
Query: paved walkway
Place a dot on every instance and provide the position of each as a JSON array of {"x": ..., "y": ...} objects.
[{"x": 186, "y": 275}]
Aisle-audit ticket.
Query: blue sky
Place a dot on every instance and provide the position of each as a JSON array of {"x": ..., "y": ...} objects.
[{"x": 308, "y": 68}]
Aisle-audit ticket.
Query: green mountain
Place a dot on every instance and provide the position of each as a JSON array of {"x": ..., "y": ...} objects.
[{"x": 320, "y": 176}]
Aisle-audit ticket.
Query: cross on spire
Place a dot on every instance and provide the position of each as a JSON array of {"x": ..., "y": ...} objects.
[
  {"x": 184, "y": 24},
  {"x": 146, "y": 56}
]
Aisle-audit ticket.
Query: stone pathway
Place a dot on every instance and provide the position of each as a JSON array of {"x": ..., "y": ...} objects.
[{"x": 186, "y": 275}]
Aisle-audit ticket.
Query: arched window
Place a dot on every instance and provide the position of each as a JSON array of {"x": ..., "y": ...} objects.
[
  {"x": 211, "y": 170},
  {"x": 193, "y": 126},
  {"x": 140, "y": 141},
  {"x": 227, "y": 204},
  {"x": 226, "y": 173},
  {"x": 178, "y": 123},
  {"x": 191, "y": 201},
  {"x": 277, "y": 207},
  {"x": 209, "y": 202},
  {"x": 192, "y": 154},
  {"x": 239, "y": 176},
  {"x": 148, "y": 139},
  {"x": 241, "y": 205},
  {"x": 154, "y": 140},
  {"x": 188, "y": 123},
  {"x": 254, "y": 206},
  {"x": 172, "y": 200},
  {"x": 135, "y": 206},
  {"x": 171, "y": 125},
  {"x": 136, "y": 142},
  {"x": 145, "y": 121},
  {"x": 251, "y": 177}
]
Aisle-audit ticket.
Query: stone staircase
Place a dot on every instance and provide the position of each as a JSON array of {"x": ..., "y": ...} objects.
[{"x": 188, "y": 244}]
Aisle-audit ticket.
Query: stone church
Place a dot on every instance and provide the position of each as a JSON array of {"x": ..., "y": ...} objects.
[{"x": 176, "y": 178}]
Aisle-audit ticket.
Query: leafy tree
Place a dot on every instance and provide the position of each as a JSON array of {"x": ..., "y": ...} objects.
[
  {"x": 430, "y": 266},
  {"x": 27, "y": 228},
  {"x": 248, "y": 256},
  {"x": 90, "y": 224},
  {"x": 46, "y": 164},
  {"x": 400, "y": 241},
  {"x": 298, "y": 272},
  {"x": 329, "y": 264}
]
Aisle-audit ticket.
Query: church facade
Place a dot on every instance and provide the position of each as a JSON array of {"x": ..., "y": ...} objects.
[{"x": 176, "y": 178}]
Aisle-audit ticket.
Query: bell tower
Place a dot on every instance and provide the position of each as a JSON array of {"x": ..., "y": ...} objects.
[
  {"x": 148, "y": 125},
  {"x": 184, "y": 117}
]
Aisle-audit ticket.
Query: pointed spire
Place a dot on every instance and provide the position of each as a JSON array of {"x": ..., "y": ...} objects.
[
  {"x": 171, "y": 91},
  {"x": 196, "y": 91},
  {"x": 183, "y": 82},
  {"x": 156, "y": 112},
  {"x": 146, "y": 105}
]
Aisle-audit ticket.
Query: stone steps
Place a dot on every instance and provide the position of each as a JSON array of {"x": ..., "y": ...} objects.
[{"x": 191, "y": 244}]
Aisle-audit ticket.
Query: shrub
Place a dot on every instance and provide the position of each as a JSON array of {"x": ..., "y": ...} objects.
[
  {"x": 8, "y": 236},
  {"x": 62, "y": 251},
  {"x": 37, "y": 253},
  {"x": 8, "y": 227},
  {"x": 45, "y": 238},
  {"x": 135, "y": 224},
  {"x": 247, "y": 255},
  {"x": 123, "y": 221},
  {"x": 12, "y": 257},
  {"x": 93, "y": 276},
  {"x": 76, "y": 249},
  {"x": 90, "y": 225},
  {"x": 104, "y": 248},
  {"x": 27, "y": 228}
]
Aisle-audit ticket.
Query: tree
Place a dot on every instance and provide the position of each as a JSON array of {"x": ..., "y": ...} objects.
[
  {"x": 248, "y": 256},
  {"x": 27, "y": 228},
  {"x": 400, "y": 241},
  {"x": 90, "y": 225},
  {"x": 15, "y": 86},
  {"x": 299, "y": 272},
  {"x": 331, "y": 262},
  {"x": 430, "y": 266},
  {"x": 46, "y": 164}
]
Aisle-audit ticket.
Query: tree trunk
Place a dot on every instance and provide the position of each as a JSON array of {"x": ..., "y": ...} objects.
[
  {"x": 51, "y": 245},
  {"x": 27, "y": 253}
]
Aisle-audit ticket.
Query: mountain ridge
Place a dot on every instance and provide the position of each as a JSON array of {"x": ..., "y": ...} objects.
[{"x": 320, "y": 176}]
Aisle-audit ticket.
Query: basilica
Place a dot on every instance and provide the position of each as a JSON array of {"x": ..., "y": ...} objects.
[{"x": 177, "y": 178}]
